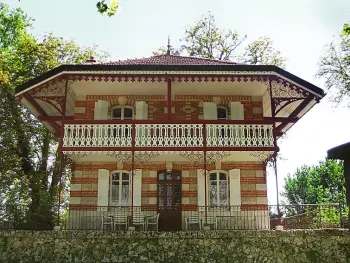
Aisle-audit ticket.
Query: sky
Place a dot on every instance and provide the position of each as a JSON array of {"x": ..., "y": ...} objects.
[{"x": 300, "y": 29}]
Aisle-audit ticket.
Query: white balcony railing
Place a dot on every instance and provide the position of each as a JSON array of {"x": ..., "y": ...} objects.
[{"x": 168, "y": 135}]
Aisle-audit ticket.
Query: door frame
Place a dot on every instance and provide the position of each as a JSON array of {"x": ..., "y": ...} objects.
[{"x": 172, "y": 172}]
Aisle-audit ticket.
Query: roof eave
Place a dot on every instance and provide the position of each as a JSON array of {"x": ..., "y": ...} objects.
[
  {"x": 103, "y": 67},
  {"x": 339, "y": 152}
]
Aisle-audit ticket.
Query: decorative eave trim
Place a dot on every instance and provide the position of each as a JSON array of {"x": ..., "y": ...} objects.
[{"x": 239, "y": 69}]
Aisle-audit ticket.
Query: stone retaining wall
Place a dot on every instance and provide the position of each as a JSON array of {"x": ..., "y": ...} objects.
[{"x": 207, "y": 247}]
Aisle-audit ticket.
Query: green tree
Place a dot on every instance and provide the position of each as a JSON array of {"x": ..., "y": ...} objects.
[
  {"x": 108, "y": 7},
  {"x": 319, "y": 184},
  {"x": 206, "y": 40},
  {"x": 28, "y": 151},
  {"x": 346, "y": 29},
  {"x": 322, "y": 183},
  {"x": 262, "y": 52},
  {"x": 334, "y": 66}
]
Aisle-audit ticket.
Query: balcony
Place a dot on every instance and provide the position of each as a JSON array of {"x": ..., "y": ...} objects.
[{"x": 176, "y": 136}]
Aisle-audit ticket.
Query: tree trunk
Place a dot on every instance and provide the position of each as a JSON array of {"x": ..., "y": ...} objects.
[{"x": 45, "y": 150}]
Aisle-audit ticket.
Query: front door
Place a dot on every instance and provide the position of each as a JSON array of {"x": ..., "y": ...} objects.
[{"x": 169, "y": 200}]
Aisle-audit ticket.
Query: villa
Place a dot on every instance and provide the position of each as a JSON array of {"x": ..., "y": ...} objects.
[{"x": 168, "y": 142}]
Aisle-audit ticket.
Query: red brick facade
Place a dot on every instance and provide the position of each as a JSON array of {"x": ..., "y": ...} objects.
[{"x": 184, "y": 107}]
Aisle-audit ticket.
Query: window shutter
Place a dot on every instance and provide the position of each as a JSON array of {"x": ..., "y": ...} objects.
[
  {"x": 141, "y": 110},
  {"x": 235, "y": 188},
  {"x": 101, "y": 110},
  {"x": 209, "y": 111},
  {"x": 237, "y": 110},
  {"x": 200, "y": 187},
  {"x": 103, "y": 183},
  {"x": 137, "y": 187}
]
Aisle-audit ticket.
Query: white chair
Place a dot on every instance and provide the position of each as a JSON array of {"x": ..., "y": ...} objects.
[
  {"x": 211, "y": 220},
  {"x": 138, "y": 219},
  {"x": 106, "y": 221},
  {"x": 153, "y": 221},
  {"x": 194, "y": 219},
  {"x": 120, "y": 220}
]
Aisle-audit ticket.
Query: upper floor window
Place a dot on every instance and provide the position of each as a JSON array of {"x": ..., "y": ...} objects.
[
  {"x": 222, "y": 112},
  {"x": 218, "y": 190},
  {"x": 120, "y": 188},
  {"x": 122, "y": 113}
]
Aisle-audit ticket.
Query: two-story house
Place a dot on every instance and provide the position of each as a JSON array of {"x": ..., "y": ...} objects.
[{"x": 168, "y": 140}]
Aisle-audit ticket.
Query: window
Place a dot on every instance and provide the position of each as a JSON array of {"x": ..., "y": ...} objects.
[
  {"x": 120, "y": 188},
  {"x": 122, "y": 113},
  {"x": 222, "y": 112},
  {"x": 218, "y": 189}
]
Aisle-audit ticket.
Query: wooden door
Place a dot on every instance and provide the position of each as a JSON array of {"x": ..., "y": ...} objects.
[{"x": 169, "y": 200}]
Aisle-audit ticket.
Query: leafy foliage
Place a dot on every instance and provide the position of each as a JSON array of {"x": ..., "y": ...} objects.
[
  {"x": 30, "y": 162},
  {"x": 320, "y": 184},
  {"x": 261, "y": 52},
  {"x": 346, "y": 29},
  {"x": 205, "y": 39},
  {"x": 334, "y": 66},
  {"x": 107, "y": 7}
]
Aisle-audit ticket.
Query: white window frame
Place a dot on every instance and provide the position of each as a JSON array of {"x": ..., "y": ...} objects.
[
  {"x": 217, "y": 172},
  {"x": 222, "y": 107},
  {"x": 111, "y": 202},
  {"x": 122, "y": 111}
]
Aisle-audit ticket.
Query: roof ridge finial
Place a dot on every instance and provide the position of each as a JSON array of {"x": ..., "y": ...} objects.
[{"x": 169, "y": 46}]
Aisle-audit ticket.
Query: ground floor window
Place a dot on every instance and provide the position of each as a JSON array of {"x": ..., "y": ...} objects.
[
  {"x": 120, "y": 188},
  {"x": 218, "y": 190}
]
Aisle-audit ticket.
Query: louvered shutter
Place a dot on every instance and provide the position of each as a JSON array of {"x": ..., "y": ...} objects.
[
  {"x": 210, "y": 111},
  {"x": 201, "y": 187},
  {"x": 103, "y": 186},
  {"x": 141, "y": 110},
  {"x": 137, "y": 187},
  {"x": 237, "y": 110},
  {"x": 101, "y": 110},
  {"x": 235, "y": 188}
]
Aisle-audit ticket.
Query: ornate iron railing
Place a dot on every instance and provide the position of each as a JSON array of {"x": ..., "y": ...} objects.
[
  {"x": 164, "y": 135},
  {"x": 112, "y": 218}
]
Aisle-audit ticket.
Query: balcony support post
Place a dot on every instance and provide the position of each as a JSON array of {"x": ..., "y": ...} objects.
[
  {"x": 132, "y": 168},
  {"x": 274, "y": 156},
  {"x": 169, "y": 98},
  {"x": 274, "y": 162},
  {"x": 64, "y": 105},
  {"x": 205, "y": 168}
]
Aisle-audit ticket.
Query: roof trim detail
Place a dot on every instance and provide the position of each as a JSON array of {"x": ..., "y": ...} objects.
[{"x": 238, "y": 69}]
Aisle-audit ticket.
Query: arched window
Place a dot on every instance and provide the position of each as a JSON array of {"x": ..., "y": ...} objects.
[
  {"x": 222, "y": 112},
  {"x": 218, "y": 188},
  {"x": 122, "y": 113},
  {"x": 120, "y": 188}
]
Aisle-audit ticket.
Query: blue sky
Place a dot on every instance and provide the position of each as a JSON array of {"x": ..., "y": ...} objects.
[{"x": 300, "y": 29}]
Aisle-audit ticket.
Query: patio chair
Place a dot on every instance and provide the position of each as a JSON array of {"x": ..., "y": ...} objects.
[
  {"x": 193, "y": 219},
  {"x": 138, "y": 219},
  {"x": 120, "y": 220},
  {"x": 153, "y": 221},
  {"x": 211, "y": 220},
  {"x": 106, "y": 221}
]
